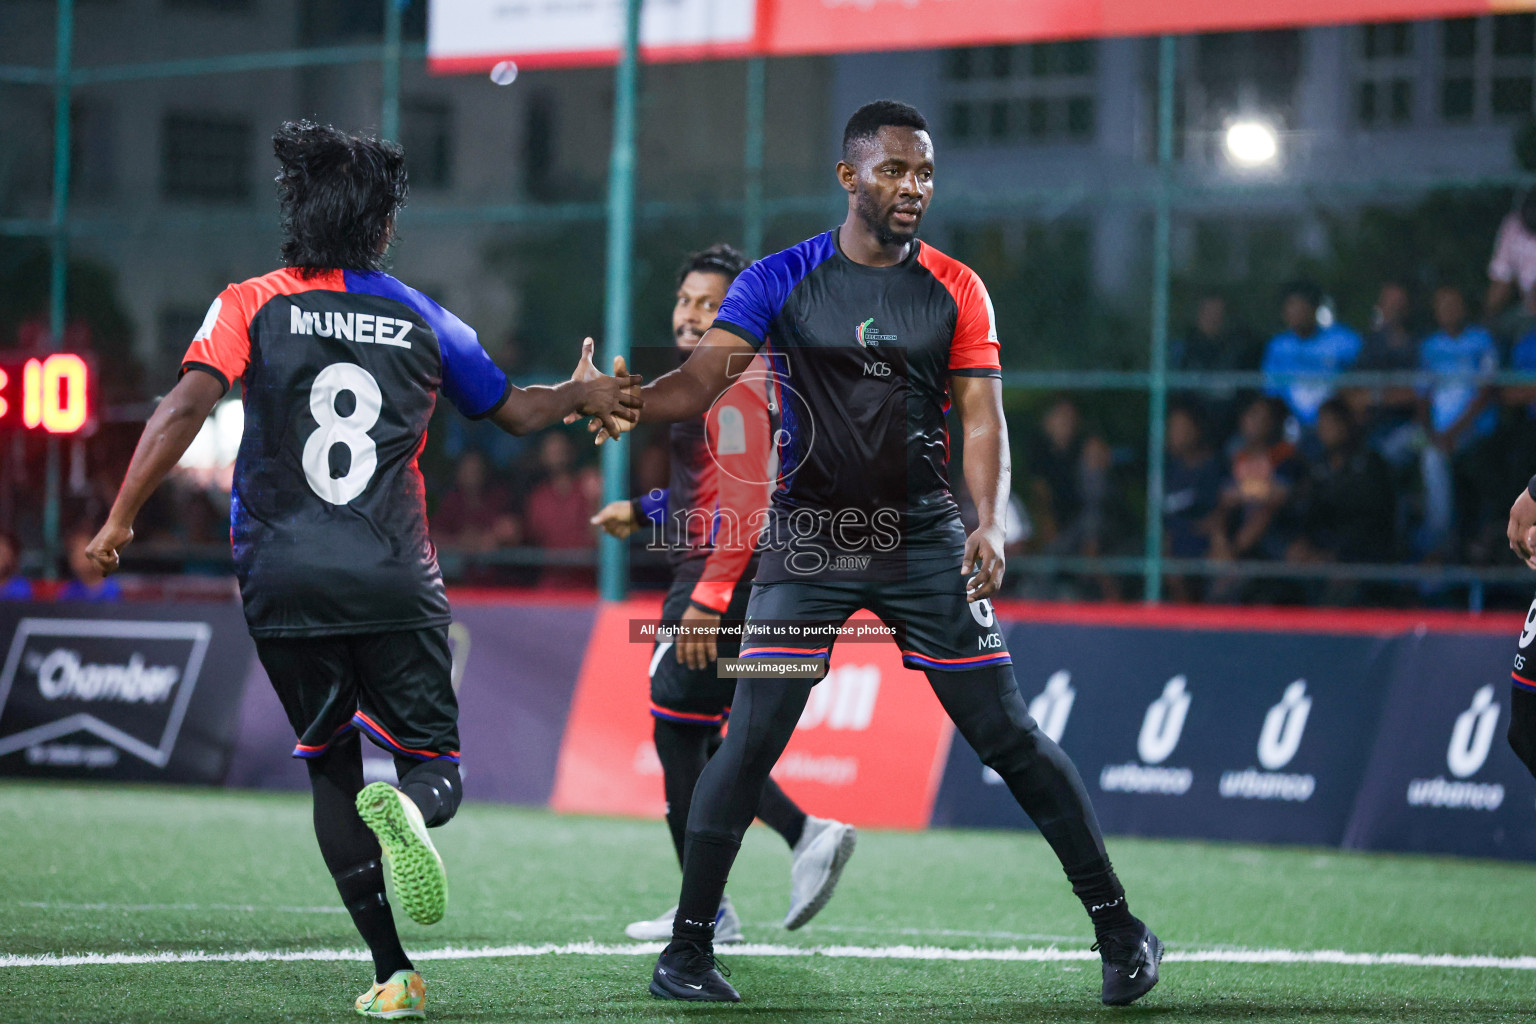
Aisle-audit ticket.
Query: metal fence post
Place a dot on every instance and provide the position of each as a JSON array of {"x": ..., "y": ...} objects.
[
  {"x": 613, "y": 561},
  {"x": 58, "y": 279},
  {"x": 1162, "y": 243},
  {"x": 752, "y": 214},
  {"x": 389, "y": 115}
]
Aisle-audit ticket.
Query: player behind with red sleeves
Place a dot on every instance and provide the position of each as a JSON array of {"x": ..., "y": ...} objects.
[
  {"x": 342, "y": 365},
  {"x": 882, "y": 331},
  {"x": 708, "y": 521}
]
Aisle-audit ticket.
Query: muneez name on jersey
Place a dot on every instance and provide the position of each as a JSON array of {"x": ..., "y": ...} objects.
[{"x": 363, "y": 328}]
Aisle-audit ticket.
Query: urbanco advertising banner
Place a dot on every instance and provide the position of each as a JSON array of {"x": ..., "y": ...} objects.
[
  {"x": 1254, "y": 736},
  {"x": 869, "y": 748},
  {"x": 1442, "y": 775},
  {"x": 515, "y": 664},
  {"x": 121, "y": 691}
]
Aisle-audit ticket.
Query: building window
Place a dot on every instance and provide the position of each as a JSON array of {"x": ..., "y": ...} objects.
[
  {"x": 1384, "y": 86},
  {"x": 426, "y": 133},
  {"x": 206, "y": 157},
  {"x": 1488, "y": 66},
  {"x": 92, "y": 150},
  {"x": 1041, "y": 92}
]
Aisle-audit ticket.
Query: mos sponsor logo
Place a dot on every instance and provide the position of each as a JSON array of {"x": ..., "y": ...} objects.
[
  {"x": 1161, "y": 729},
  {"x": 125, "y": 683},
  {"x": 1472, "y": 737}
]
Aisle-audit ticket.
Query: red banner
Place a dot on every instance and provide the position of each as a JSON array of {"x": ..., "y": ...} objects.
[
  {"x": 837, "y": 26},
  {"x": 870, "y": 748},
  {"x": 472, "y": 35}
]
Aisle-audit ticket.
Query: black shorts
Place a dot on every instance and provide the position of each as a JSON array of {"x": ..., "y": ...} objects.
[
  {"x": 1524, "y": 674},
  {"x": 938, "y": 630},
  {"x": 395, "y": 688},
  {"x": 683, "y": 694}
]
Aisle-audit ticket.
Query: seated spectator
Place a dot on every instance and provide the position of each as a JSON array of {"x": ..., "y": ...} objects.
[
  {"x": 1308, "y": 349},
  {"x": 1248, "y": 522},
  {"x": 1460, "y": 417},
  {"x": 1212, "y": 343},
  {"x": 86, "y": 581},
  {"x": 1071, "y": 486},
  {"x": 1389, "y": 414},
  {"x": 558, "y": 511},
  {"x": 1191, "y": 491},
  {"x": 1344, "y": 506},
  {"x": 1512, "y": 270},
  {"x": 473, "y": 516},
  {"x": 1519, "y": 440},
  {"x": 13, "y": 585}
]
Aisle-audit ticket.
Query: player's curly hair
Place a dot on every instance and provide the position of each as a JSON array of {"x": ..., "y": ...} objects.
[
  {"x": 866, "y": 122},
  {"x": 717, "y": 259},
  {"x": 339, "y": 194}
]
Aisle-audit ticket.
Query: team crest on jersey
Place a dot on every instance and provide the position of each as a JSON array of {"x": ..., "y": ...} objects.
[{"x": 869, "y": 335}]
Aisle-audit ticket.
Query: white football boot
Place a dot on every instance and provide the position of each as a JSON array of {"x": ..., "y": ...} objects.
[
  {"x": 820, "y": 855},
  {"x": 727, "y": 926}
]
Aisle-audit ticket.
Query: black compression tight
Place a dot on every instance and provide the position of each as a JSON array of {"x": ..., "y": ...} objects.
[
  {"x": 684, "y": 749},
  {"x": 988, "y": 711},
  {"x": 351, "y": 852},
  {"x": 1522, "y": 726}
]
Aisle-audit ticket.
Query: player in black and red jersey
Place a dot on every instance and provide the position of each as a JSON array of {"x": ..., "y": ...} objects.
[
  {"x": 708, "y": 520},
  {"x": 883, "y": 331},
  {"x": 1522, "y": 705},
  {"x": 342, "y": 365}
]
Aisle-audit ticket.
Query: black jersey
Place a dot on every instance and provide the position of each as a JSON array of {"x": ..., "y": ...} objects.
[
  {"x": 327, "y": 513},
  {"x": 864, "y": 357}
]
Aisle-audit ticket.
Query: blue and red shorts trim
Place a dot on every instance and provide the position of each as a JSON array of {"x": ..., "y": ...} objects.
[
  {"x": 912, "y": 659},
  {"x": 1523, "y": 684},
  {"x": 379, "y": 735},
  {"x": 689, "y": 717},
  {"x": 784, "y": 652}
]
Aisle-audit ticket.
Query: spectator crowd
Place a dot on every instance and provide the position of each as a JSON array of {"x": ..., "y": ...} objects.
[{"x": 1416, "y": 466}]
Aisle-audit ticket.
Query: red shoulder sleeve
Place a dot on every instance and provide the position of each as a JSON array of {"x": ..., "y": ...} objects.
[
  {"x": 974, "y": 349},
  {"x": 222, "y": 346}
]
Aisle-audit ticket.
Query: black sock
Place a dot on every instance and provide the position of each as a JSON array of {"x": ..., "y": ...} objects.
[
  {"x": 362, "y": 890},
  {"x": 705, "y": 869},
  {"x": 682, "y": 750},
  {"x": 351, "y": 852},
  {"x": 1103, "y": 897},
  {"x": 781, "y": 813},
  {"x": 433, "y": 786}
]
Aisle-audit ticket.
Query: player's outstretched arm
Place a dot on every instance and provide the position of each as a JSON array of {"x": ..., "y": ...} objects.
[
  {"x": 612, "y": 400},
  {"x": 689, "y": 390},
  {"x": 167, "y": 435},
  {"x": 1522, "y": 525},
  {"x": 988, "y": 476}
]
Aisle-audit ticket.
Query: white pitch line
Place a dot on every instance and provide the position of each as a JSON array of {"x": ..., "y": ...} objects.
[{"x": 1036, "y": 955}]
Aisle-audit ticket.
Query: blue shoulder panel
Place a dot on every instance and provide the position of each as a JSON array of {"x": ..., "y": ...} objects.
[
  {"x": 471, "y": 381},
  {"x": 757, "y": 295}
]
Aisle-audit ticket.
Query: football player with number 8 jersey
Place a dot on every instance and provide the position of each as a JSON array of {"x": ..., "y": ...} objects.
[{"x": 342, "y": 365}]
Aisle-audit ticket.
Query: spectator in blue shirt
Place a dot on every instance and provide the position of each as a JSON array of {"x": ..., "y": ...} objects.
[
  {"x": 1308, "y": 348},
  {"x": 13, "y": 585},
  {"x": 1460, "y": 416}
]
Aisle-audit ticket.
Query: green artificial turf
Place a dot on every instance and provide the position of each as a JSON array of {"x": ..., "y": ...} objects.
[{"x": 139, "y": 870}]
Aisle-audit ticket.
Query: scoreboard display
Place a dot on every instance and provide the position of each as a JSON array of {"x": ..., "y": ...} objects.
[{"x": 52, "y": 392}]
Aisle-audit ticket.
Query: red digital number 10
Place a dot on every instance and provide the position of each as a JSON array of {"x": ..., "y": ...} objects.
[{"x": 53, "y": 393}]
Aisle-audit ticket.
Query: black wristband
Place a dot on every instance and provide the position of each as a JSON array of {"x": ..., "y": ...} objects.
[{"x": 1530, "y": 488}]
